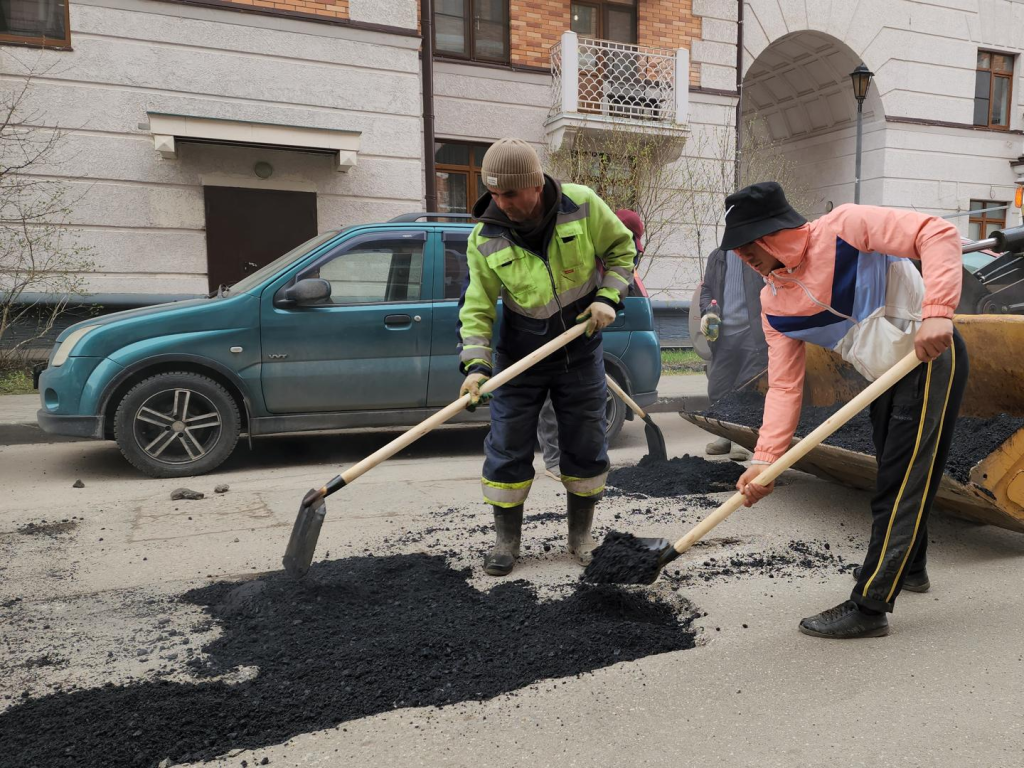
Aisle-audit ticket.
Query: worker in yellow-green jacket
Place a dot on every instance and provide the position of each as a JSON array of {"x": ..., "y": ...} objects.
[{"x": 534, "y": 248}]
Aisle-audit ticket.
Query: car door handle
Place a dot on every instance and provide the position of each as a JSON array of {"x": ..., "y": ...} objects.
[{"x": 397, "y": 321}]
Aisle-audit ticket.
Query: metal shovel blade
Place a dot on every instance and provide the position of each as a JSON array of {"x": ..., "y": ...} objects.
[
  {"x": 666, "y": 554},
  {"x": 647, "y": 569},
  {"x": 625, "y": 559},
  {"x": 302, "y": 545},
  {"x": 656, "y": 447}
]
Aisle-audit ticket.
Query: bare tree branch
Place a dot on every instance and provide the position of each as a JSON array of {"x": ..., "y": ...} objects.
[{"x": 39, "y": 252}]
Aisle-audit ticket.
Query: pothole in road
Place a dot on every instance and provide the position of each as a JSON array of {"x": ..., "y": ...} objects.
[{"x": 360, "y": 636}]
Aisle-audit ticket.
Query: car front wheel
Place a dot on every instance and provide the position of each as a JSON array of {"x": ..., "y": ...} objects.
[
  {"x": 177, "y": 425},
  {"x": 614, "y": 413}
]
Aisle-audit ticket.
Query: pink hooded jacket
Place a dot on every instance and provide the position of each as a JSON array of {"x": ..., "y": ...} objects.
[{"x": 847, "y": 286}]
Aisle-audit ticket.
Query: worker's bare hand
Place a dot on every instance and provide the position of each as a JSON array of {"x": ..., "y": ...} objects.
[
  {"x": 933, "y": 338},
  {"x": 753, "y": 491},
  {"x": 472, "y": 386},
  {"x": 705, "y": 325},
  {"x": 598, "y": 316}
]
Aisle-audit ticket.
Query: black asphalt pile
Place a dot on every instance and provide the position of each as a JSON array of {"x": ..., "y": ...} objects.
[
  {"x": 622, "y": 558},
  {"x": 357, "y": 637},
  {"x": 681, "y": 476},
  {"x": 973, "y": 439}
]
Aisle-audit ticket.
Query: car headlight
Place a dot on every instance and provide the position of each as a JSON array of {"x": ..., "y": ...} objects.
[{"x": 68, "y": 345}]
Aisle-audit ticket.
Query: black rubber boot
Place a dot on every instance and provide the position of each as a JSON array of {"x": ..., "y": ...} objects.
[
  {"x": 508, "y": 525},
  {"x": 914, "y": 582},
  {"x": 845, "y": 622},
  {"x": 581, "y": 517}
]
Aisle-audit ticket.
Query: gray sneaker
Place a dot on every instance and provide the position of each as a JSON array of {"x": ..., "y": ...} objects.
[
  {"x": 718, "y": 447},
  {"x": 739, "y": 453}
]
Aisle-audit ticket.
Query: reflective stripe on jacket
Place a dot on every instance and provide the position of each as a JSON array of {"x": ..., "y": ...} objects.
[{"x": 539, "y": 289}]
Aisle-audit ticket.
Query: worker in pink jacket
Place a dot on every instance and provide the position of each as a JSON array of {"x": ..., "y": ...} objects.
[{"x": 845, "y": 282}]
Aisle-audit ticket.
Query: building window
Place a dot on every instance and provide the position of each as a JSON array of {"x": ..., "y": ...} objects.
[
  {"x": 36, "y": 22},
  {"x": 986, "y": 218},
  {"x": 458, "y": 176},
  {"x": 605, "y": 20},
  {"x": 993, "y": 90},
  {"x": 473, "y": 29}
]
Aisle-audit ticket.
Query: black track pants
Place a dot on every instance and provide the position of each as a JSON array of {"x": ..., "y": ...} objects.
[{"x": 913, "y": 429}]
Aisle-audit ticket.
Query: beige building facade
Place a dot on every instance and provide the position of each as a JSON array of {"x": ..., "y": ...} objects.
[{"x": 202, "y": 137}]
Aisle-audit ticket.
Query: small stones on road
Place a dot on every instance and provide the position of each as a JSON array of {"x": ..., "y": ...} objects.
[
  {"x": 222, "y": 488},
  {"x": 78, "y": 484},
  {"x": 186, "y": 493}
]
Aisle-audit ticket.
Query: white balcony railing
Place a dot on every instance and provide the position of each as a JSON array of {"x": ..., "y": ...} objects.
[{"x": 616, "y": 80}]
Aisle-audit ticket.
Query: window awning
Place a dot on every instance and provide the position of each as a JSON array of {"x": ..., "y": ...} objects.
[{"x": 170, "y": 130}]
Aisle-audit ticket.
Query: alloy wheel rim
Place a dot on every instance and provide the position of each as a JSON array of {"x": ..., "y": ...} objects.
[
  {"x": 177, "y": 426},
  {"x": 609, "y": 410}
]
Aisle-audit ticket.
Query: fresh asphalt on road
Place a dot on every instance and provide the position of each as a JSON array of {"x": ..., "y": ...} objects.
[{"x": 944, "y": 689}]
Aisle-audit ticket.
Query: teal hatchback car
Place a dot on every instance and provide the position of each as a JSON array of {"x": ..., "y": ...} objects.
[{"x": 354, "y": 328}]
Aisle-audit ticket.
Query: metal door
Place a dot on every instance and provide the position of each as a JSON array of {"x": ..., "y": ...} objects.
[{"x": 249, "y": 228}]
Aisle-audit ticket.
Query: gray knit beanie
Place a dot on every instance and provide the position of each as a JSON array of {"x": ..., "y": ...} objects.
[{"x": 511, "y": 164}]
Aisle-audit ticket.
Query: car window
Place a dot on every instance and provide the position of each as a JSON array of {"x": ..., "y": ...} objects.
[
  {"x": 375, "y": 271},
  {"x": 257, "y": 277},
  {"x": 456, "y": 270}
]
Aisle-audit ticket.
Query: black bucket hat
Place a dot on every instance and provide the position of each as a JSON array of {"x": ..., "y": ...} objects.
[{"x": 756, "y": 211}]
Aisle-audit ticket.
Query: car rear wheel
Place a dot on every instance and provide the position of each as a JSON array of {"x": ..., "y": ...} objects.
[
  {"x": 614, "y": 412},
  {"x": 177, "y": 425}
]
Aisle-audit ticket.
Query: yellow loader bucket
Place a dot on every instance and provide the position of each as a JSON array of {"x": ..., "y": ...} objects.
[{"x": 994, "y": 490}]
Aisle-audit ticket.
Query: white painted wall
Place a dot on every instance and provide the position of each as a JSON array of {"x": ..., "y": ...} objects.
[
  {"x": 924, "y": 56},
  {"x": 144, "y": 215},
  {"x": 485, "y": 104},
  {"x": 392, "y": 13},
  {"x": 974, "y": 165}
]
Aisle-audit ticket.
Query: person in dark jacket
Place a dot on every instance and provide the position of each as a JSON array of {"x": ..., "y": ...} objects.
[{"x": 740, "y": 353}]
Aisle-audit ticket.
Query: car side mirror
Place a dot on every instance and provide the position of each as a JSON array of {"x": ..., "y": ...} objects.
[{"x": 312, "y": 290}]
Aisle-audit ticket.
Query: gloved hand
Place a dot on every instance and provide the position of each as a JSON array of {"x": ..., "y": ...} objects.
[
  {"x": 705, "y": 321},
  {"x": 472, "y": 385},
  {"x": 598, "y": 316}
]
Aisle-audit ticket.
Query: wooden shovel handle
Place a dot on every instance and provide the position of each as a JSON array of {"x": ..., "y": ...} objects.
[
  {"x": 801, "y": 449},
  {"x": 439, "y": 418},
  {"x": 613, "y": 385}
]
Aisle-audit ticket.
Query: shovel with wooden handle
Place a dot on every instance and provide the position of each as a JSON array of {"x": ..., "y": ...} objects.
[
  {"x": 667, "y": 551},
  {"x": 302, "y": 544},
  {"x": 655, "y": 439}
]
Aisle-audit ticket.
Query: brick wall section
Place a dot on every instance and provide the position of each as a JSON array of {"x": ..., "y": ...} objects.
[
  {"x": 534, "y": 26},
  {"x": 669, "y": 24},
  {"x": 334, "y": 9}
]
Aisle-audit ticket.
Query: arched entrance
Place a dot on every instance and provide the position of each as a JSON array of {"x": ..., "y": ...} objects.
[{"x": 799, "y": 122}]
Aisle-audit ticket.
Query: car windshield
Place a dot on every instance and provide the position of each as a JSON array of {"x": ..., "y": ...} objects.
[{"x": 261, "y": 274}]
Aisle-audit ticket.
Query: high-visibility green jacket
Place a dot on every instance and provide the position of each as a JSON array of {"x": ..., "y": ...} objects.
[{"x": 542, "y": 295}]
